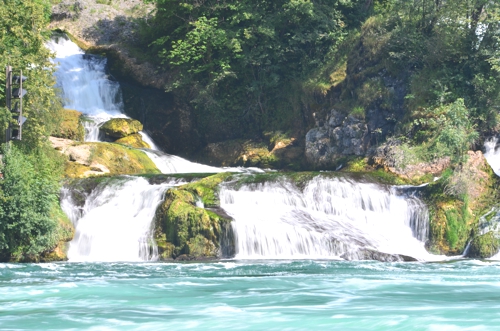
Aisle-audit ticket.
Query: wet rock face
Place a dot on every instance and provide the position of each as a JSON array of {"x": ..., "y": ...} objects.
[{"x": 338, "y": 136}]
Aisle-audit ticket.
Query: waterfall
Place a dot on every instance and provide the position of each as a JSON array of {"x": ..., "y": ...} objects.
[
  {"x": 329, "y": 218},
  {"x": 85, "y": 86},
  {"x": 115, "y": 221},
  {"x": 171, "y": 164}
]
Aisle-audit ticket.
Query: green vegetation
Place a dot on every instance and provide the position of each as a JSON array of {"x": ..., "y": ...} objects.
[
  {"x": 71, "y": 125},
  {"x": 133, "y": 140},
  {"x": 32, "y": 226},
  {"x": 484, "y": 246},
  {"x": 29, "y": 203},
  {"x": 245, "y": 64}
]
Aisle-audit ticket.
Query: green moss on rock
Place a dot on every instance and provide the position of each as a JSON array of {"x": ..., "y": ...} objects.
[
  {"x": 206, "y": 188},
  {"x": 121, "y": 127},
  {"x": 133, "y": 140},
  {"x": 182, "y": 228},
  {"x": 94, "y": 159},
  {"x": 454, "y": 217},
  {"x": 484, "y": 246}
]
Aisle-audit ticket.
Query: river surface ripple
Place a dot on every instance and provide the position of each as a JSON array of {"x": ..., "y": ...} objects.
[{"x": 251, "y": 295}]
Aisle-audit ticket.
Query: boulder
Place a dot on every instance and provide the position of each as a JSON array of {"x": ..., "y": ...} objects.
[
  {"x": 484, "y": 246},
  {"x": 274, "y": 152},
  {"x": 99, "y": 158},
  {"x": 121, "y": 127}
]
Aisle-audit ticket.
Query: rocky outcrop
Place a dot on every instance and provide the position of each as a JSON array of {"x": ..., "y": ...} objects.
[
  {"x": 484, "y": 246},
  {"x": 457, "y": 202},
  {"x": 126, "y": 130},
  {"x": 133, "y": 140},
  {"x": 338, "y": 136},
  {"x": 390, "y": 157},
  {"x": 108, "y": 25},
  {"x": 99, "y": 158}
]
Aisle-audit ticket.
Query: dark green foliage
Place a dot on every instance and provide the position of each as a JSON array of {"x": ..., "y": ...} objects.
[
  {"x": 29, "y": 195},
  {"x": 243, "y": 63}
]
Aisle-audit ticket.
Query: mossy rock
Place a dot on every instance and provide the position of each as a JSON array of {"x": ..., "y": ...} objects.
[
  {"x": 111, "y": 159},
  {"x": 484, "y": 246},
  {"x": 182, "y": 228},
  {"x": 133, "y": 140},
  {"x": 121, "y": 127},
  {"x": 71, "y": 125}
]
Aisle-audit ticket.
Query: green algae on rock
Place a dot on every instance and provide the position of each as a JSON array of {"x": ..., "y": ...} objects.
[{"x": 484, "y": 246}]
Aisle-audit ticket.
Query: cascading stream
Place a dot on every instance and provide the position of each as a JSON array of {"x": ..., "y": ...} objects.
[
  {"x": 115, "y": 222},
  {"x": 330, "y": 218}
]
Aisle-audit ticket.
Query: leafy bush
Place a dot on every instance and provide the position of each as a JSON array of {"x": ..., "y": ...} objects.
[{"x": 29, "y": 195}]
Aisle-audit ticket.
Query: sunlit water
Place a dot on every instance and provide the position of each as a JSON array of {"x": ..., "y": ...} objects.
[{"x": 268, "y": 295}]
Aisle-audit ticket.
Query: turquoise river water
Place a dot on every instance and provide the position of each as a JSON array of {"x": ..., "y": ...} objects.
[{"x": 251, "y": 295}]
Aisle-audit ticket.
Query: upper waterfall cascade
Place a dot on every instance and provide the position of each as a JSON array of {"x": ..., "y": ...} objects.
[
  {"x": 87, "y": 88},
  {"x": 330, "y": 218}
]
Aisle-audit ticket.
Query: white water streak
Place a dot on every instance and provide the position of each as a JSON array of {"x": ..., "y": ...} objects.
[{"x": 492, "y": 154}]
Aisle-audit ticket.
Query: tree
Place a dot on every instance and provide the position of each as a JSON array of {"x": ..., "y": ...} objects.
[{"x": 23, "y": 33}]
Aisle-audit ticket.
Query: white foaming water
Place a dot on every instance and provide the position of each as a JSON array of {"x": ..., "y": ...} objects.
[
  {"x": 331, "y": 218},
  {"x": 115, "y": 223}
]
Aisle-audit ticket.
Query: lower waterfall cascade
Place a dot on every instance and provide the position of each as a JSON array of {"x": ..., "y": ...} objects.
[{"x": 331, "y": 218}]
